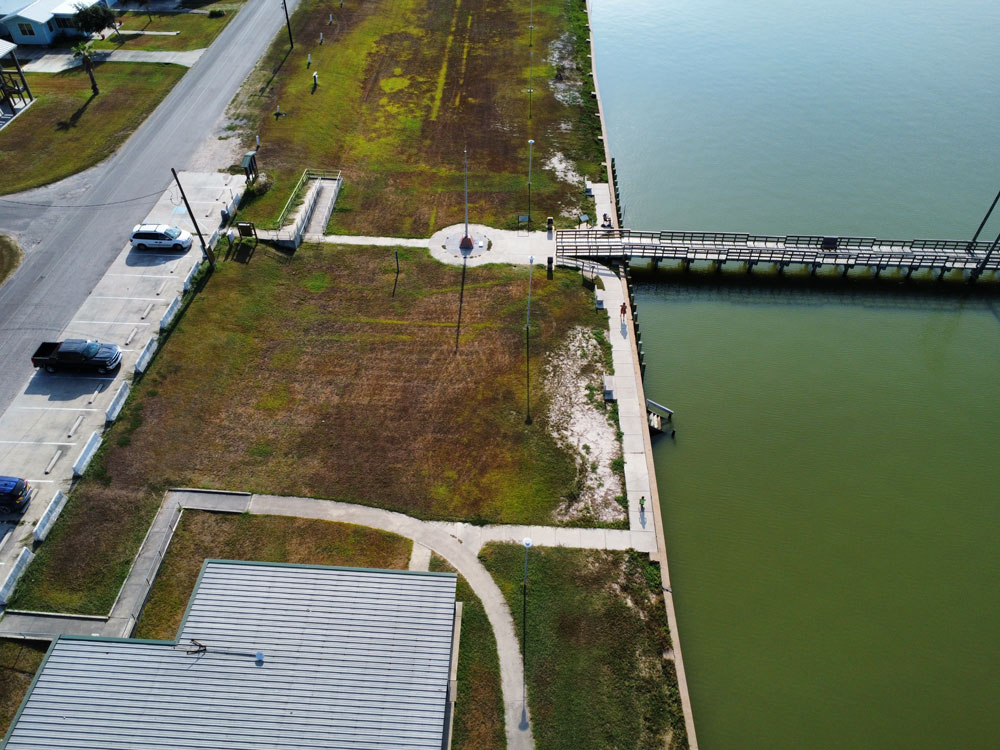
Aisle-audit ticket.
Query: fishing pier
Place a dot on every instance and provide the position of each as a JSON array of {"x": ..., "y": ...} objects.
[{"x": 812, "y": 251}]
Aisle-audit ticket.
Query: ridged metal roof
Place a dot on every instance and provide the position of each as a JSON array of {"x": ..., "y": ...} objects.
[{"x": 352, "y": 659}]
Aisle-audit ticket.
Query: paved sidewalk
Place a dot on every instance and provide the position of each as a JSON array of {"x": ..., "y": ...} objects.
[
  {"x": 56, "y": 62},
  {"x": 463, "y": 559}
]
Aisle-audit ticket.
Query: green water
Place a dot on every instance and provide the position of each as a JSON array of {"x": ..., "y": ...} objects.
[{"x": 830, "y": 503}]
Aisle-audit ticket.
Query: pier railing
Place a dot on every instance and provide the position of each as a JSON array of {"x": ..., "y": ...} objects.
[{"x": 812, "y": 250}]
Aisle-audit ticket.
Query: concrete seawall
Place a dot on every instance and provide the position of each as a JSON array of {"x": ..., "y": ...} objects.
[{"x": 654, "y": 496}]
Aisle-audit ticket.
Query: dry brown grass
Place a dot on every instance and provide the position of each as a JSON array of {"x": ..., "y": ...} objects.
[
  {"x": 203, "y": 535},
  {"x": 19, "y": 660},
  {"x": 308, "y": 378}
]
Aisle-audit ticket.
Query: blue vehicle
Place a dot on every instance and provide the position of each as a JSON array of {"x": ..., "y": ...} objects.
[{"x": 15, "y": 494}]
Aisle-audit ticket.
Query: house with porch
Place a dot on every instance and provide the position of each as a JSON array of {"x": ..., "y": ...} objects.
[
  {"x": 40, "y": 21},
  {"x": 14, "y": 92}
]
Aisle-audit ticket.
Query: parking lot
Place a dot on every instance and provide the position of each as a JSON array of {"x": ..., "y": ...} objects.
[{"x": 48, "y": 425}]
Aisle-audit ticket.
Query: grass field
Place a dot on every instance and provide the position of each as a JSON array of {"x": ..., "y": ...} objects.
[
  {"x": 308, "y": 378},
  {"x": 19, "y": 660},
  {"x": 197, "y": 31},
  {"x": 10, "y": 257},
  {"x": 68, "y": 129},
  {"x": 597, "y": 635},
  {"x": 479, "y": 705},
  {"x": 404, "y": 85},
  {"x": 201, "y": 535}
]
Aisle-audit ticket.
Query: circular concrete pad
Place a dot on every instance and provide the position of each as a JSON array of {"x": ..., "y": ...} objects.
[{"x": 452, "y": 242}]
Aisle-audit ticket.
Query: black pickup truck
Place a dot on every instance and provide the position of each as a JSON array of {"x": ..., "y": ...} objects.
[{"x": 77, "y": 354}]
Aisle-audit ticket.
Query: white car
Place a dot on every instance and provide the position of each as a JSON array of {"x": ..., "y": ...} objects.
[{"x": 160, "y": 236}]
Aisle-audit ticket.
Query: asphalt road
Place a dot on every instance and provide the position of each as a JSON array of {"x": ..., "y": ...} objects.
[{"x": 72, "y": 240}]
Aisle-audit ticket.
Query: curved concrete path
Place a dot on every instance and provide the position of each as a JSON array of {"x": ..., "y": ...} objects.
[{"x": 463, "y": 559}]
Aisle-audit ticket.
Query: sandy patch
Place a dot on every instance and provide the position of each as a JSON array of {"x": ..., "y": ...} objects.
[
  {"x": 564, "y": 169},
  {"x": 219, "y": 149},
  {"x": 572, "y": 376},
  {"x": 567, "y": 82}
]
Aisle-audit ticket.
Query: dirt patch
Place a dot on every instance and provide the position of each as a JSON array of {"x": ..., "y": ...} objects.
[{"x": 573, "y": 377}]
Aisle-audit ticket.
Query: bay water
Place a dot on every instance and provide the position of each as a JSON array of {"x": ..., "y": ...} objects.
[{"x": 830, "y": 502}]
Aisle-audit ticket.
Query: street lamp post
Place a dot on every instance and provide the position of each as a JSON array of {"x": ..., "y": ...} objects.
[
  {"x": 527, "y": 346},
  {"x": 531, "y": 78},
  {"x": 524, "y": 621},
  {"x": 531, "y": 145},
  {"x": 466, "y": 243},
  {"x": 531, "y": 23}
]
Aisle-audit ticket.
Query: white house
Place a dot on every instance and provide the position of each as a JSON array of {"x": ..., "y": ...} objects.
[{"x": 41, "y": 21}]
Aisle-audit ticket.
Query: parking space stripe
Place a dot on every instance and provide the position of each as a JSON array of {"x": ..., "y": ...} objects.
[
  {"x": 30, "y": 442},
  {"x": 138, "y": 299},
  {"x": 143, "y": 275},
  {"x": 110, "y": 323},
  {"x": 57, "y": 408}
]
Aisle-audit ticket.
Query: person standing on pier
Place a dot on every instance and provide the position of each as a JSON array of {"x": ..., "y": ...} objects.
[{"x": 624, "y": 311}]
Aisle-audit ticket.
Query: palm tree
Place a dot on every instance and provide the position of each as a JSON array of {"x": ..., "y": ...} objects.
[{"x": 85, "y": 52}]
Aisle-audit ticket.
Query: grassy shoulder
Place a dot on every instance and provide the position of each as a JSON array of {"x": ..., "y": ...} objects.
[
  {"x": 403, "y": 85},
  {"x": 309, "y": 378},
  {"x": 10, "y": 257},
  {"x": 597, "y": 636},
  {"x": 19, "y": 660},
  {"x": 195, "y": 31},
  {"x": 68, "y": 129},
  {"x": 479, "y": 704},
  {"x": 202, "y": 535}
]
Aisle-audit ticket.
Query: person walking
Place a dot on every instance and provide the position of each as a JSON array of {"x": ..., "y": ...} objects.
[{"x": 624, "y": 311}]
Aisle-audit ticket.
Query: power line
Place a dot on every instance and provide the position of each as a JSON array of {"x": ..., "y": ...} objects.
[{"x": 81, "y": 205}]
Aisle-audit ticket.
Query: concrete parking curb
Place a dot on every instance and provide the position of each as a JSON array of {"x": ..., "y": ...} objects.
[
  {"x": 89, "y": 449},
  {"x": 48, "y": 519}
]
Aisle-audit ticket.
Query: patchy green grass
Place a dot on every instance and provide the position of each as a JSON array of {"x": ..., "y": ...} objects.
[
  {"x": 10, "y": 257},
  {"x": 202, "y": 535},
  {"x": 307, "y": 378},
  {"x": 479, "y": 705},
  {"x": 19, "y": 660},
  {"x": 403, "y": 86},
  {"x": 196, "y": 31},
  {"x": 597, "y": 635},
  {"x": 68, "y": 129}
]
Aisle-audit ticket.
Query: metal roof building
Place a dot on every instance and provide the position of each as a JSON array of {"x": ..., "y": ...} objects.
[{"x": 268, "y": 656}]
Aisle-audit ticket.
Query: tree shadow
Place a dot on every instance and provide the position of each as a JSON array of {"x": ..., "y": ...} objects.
[{"x": 64, "y": 125}]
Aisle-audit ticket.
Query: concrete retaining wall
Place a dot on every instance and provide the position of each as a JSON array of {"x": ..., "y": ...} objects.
[{"x": 48, "y": 519}]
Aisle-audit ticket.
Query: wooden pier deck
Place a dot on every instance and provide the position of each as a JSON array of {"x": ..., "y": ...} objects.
[{"x": 813, "y": 251}]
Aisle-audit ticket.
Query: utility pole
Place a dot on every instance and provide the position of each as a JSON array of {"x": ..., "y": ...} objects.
[
  {"x": 204, "y": 248},
  {"x": 288, "y": 24}
]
